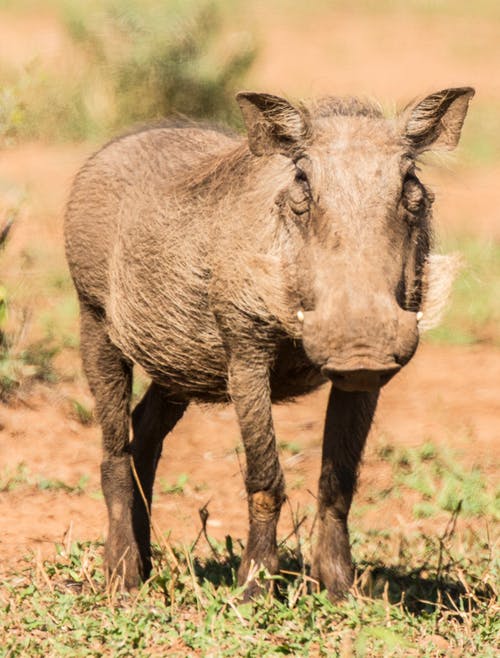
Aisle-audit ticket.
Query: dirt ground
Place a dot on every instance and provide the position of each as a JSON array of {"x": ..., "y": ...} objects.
[{"x": 448, "y": 395}]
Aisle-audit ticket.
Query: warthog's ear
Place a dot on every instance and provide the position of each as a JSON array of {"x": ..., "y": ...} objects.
[
  {"x": 436, "y": 121},
  {"x": 273, "y": 124}
]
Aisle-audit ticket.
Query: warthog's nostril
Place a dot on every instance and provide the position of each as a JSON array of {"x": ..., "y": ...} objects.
[{"x": 361, "y": 378}]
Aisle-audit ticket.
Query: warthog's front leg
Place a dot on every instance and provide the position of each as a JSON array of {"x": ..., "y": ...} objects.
[
  {"x": 348, "y": 420},
  {"x": 249, "y": 388}
]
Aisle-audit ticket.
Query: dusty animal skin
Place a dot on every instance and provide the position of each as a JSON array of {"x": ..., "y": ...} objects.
[{"x": 254, "y": 269}]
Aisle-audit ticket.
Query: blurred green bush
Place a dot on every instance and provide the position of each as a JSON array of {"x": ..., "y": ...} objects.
[
  {"x": 136, "y": 61},
  {"x": 20, "y": 362}
]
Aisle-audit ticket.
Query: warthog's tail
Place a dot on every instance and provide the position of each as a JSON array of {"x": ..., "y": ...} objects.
[{"x": 439, "y": 273}]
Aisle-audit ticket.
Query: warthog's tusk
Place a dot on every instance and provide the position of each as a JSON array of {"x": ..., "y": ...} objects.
[
  {"x": 420, "y": 315},
  {"x": 300, "y": 315}
]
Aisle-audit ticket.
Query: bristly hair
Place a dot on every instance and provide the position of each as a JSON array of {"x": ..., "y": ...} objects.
[
  {"x": 344, "y": 106},
  {"x": 213, "y": 171},
  {"x": 177, "y": 122}
]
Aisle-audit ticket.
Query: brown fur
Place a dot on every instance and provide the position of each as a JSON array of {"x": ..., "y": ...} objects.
[{"x": 252, "y": 271}]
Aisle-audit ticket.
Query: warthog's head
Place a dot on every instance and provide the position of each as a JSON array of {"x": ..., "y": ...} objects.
[{"x": 359, "y": 220}]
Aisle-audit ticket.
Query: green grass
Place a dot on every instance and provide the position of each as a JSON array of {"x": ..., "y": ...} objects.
[
  {"x": 20, "y": 477},
  {"x": 175, "y": 488},
  {"x": 83, "y": 414},
  {"x": 438, "y": 592},
  {"x": 140, "y": 384},
  {"x": 53, "y": 484},
  {"x": 292, "y": 447},
  {"x": 19, "y": 367},
  {"x": 441, "y": 481},
  {"x": 13, "y": 478}
]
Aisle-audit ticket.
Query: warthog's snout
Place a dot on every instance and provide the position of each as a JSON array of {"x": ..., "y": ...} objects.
[
  {"x": 362, "y": 375},
  {"x": 361, "y": 351}
]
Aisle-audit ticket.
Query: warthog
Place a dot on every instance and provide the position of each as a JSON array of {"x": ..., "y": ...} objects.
[{"x": 254, "y": 270}]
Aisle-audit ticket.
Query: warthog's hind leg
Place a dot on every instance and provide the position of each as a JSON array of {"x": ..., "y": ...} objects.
[
  {"x": 110, "y": 377},
  {"x": 152, "y": 419},
  {"x": 348, "y": 420}
]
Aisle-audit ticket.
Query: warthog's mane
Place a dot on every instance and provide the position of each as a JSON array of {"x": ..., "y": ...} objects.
[
  {"x": 176, "y": 122},
  {"x": 347, "y": 106},
  {"x": 234, "y": 161}
]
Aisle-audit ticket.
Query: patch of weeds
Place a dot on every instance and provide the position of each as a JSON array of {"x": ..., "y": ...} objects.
[
  {"x": 12, "y": 373},
  {"x": 19, "y": 367},
  {"x": 290, "y": 446},
  {"x": 20, "y": 477},
  {"x": 18, "y": 364},
  {"x": 39, "y": 356},
  {"x": 11, "y": 369},
  {"x": 433, "y": 573},
  {"x": 13, "y": 478},
  {"x": 82, "y": 413},
  {"x": 177, "y": 488},
  {"x": 47, "y": 484},
  {"x": 46, "y": 105},
  {"x": 444, "y": 484}
]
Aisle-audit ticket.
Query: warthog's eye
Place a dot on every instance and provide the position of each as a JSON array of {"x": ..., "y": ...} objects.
[
  {"x": 414, "y": 197},
  {"x": 299, "y": 193}
]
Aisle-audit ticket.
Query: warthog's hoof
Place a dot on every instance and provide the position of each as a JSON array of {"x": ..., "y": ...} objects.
[
  {"x": 123, "y": 566},
  {"x": 334, "y": 576}
]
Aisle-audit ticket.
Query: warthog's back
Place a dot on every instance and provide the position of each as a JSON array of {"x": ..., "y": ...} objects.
[
  {"x": 126, "y": 178},
  {"x": 139, "y": 256}
]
